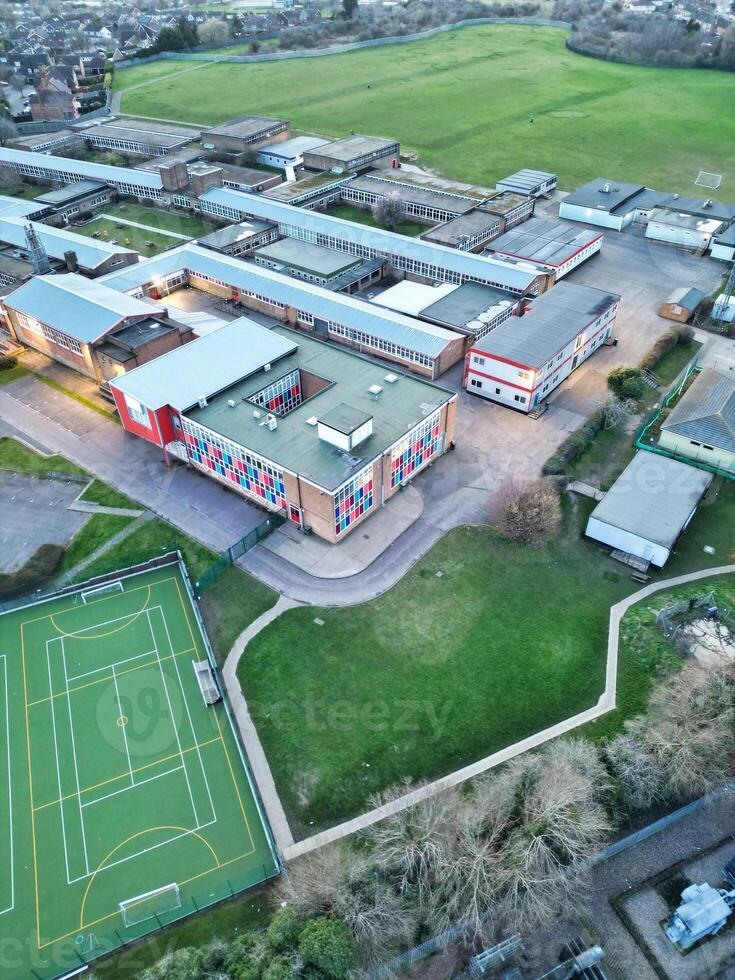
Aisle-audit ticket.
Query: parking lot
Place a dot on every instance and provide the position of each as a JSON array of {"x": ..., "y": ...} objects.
[{"x": 35, "y": 513}]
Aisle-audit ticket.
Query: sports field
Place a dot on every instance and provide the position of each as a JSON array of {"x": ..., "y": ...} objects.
[
  {"x": 464, "y": 101},
  {"x": 128, "y": 803}
]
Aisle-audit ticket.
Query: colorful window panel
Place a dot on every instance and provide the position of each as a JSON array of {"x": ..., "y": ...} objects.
[
  {"x": 282, "y": 396},
  {"x": 353, "y": 500},
  {"x": 416, "y": 450},
  {"x": 251, "y": 474}
]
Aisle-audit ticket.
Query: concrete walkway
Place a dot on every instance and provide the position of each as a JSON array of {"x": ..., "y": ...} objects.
[
  {"x": 248, "y": 732},
  {"x": 291, "y": 849},
  {"x": 586, "y": 489}
]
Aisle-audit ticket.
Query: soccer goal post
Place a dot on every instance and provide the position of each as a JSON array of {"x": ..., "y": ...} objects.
[
  {"x": 707, "y": 179},
  {"x": 151, "y": 904},
  {"x": 100, "y": 590}
]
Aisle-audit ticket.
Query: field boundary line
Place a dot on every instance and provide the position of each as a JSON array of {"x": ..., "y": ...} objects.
[
  {"x": 56, "y": 752},
  {"x": 76, "y": 763},
  {"x": 10, "y": 788}
]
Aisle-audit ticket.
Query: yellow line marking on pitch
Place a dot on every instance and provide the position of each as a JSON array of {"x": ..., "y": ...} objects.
[
  {"x": 126, "y": 774},
  {"x": 129, "y": 620}
]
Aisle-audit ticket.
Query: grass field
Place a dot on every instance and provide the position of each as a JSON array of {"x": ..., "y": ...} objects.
[
  {"x": 161, "y": 219},
  {"x": 350, "y": 213},
  {"x": 121, "y": 781},
  {"x": 108, "y": 230},
  {"x": 462, "y": 101}
]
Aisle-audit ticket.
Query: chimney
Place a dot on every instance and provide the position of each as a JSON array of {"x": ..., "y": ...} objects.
[{"x": 72, "y": 263}]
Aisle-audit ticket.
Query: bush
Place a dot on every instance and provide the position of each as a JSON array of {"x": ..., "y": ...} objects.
[
  {"x": 7, "y": 362},
  {"x": 284, "y": 931},
  {"x": 658, "y": 350},
  {"x": 573, "y": 446},
  {"x": 626, "y": 382},
  {"x": 326, "y": 944},
  {"x": 531, "y": 511},
  {"x": 685, "y": 335},
  {"x": 37, "y": 570}
]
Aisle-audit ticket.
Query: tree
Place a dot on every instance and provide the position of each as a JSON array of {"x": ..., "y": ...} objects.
[
  {"x": 8, "y": 130},
  {"x": 213, "y": 31},
  {"x": 284, "y": 930},
  {"x": 326, "y": 945},
  {"x": 236, "y": 26},
  {"x": 388, "y": 210},
  {"x": 530, "y": 511},
  {"x": 637, "y": 776},
  {"x": 180, "y": 964},
  {"x": 626, "y": 382},
  {"x": 616, "y": 412},
  {"x": 349, "y": 8}
]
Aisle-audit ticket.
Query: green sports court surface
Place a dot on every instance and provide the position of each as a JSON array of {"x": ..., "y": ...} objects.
[{"x": 125, "y": 802}]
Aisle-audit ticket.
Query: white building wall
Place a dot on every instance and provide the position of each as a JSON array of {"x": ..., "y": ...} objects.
[
  {"x": 724, "y": 252},
  {"x": 632, "y": 544},
  {"x": 592, "y": 216},
  {"x": 681, "y": 445},
  {"x": 687, "y": 237}
]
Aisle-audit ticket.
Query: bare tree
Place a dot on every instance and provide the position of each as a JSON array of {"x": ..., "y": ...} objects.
[
  {"x": 530, "y": 511},
  {"x": 388, "y": 210},
  {"x": 616, "y": 412},
  {"x": 636, "y": 772},
  {"x": 213, "y": 31},
  {"x": 8, "y": 130}
]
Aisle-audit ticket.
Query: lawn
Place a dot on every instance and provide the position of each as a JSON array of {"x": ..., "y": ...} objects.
[
  {"x": 163, "y": 220},
  {"x": 351, "y": 213},
  {"x": 20, "y": 459},
  {"x": 12, "y": 374},
  {"x": 29, "y": 192},
  {"x": 234, "y": 601},
  {"x": 435, "y": 674},
  {"x": 108, "y": 230},
  {"x": 100, "y": 493},
  {"x": 462, "y": 101},
  {"x": 672, "y": 364},
  {"x": 98, "y": 529}
]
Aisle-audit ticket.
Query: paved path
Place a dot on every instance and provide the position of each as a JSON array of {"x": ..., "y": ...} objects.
[
  {"x": 586, "y": 489},
  {"x": 117, "y": 96},
  {"x": 284, "y": 838}
]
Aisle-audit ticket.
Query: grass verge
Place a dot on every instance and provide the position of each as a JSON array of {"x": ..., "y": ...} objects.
[
  {"x": 100, "y": 493},
  {"x": 93, "y": 534},
  {"x": 20, "y": 459}
]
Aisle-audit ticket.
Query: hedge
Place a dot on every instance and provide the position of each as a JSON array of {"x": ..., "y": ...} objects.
[
  {"x": 574, "y": 445},
  {"x": 7, "y": 362},
  {"x": 677, "y": 335},
  {"x": 37, "y": 570}
]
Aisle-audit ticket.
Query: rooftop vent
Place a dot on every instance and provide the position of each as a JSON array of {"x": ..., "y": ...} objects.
[
  {"x": 391, "y": 378},
  {"x": 376, "y": 391},
  {"x": 267, "y": 367},
  {"x": 272, "y": 423},
  {"x": 312, "y": 420},
  {"x": 256, "y": 413},
  {"x": 202, "y": 401},
  {"x": 605, "y": 188},
  {"x": 231, "y": 402},
  {"x": 707, "y": 203}
]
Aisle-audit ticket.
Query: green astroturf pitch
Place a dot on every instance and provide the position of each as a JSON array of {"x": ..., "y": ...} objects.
[{"x": 116, "y": 779}]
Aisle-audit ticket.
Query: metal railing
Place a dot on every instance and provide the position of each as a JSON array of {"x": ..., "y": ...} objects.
[{"x": 210, "y": 575}]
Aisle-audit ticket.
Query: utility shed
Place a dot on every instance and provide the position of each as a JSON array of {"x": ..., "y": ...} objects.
[
  {"x": 681, "y": 304},
  {"x": 649, "y": 505}
]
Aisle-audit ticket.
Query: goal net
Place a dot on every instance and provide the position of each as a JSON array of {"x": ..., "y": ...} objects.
[
  {"x": 150, "y": 904},
  {"x": 706, "y": 179},
  {"x": 99, "y": 590},
  {"x": 207, "y": 683}
]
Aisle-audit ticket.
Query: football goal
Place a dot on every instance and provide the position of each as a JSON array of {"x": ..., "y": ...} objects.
[
  {"x": 150, "y": 905},
  {"x": 706, "y": 179},
  {"x": 101, "y": 590}
]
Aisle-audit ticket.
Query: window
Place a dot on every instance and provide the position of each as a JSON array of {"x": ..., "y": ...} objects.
[
  {"x": 479, "y": 360},
  {"x": 137, "y": 412},
  {"x": 353, "y": 500},
  {"x": 416, "y": 449},
  {"x": 282, "y": 396},
  {"x": 524, "y": 375},
  {"x": 520, "y": 398},
  {"x": 476, "y": 383}
]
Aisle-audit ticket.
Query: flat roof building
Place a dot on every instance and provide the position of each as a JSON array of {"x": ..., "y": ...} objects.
[
  {"x": 686, "y": 230},
  {"x": 241, "y": 134},
  {"x": 645, "y": 511},
  {"x": 354, "y": 153},
  {"x": 421, "y": 347},
  {"x": 88, "y": 326},
  {"x": 241, "y": 238},
  {"x": 141, "y": 137},
  {"x": 469, "y": 232},
  {"x": 416, "y": 258},
  {"x": 289, "y": 153},
  {"x": 46, "y": 142},
  {"x": 424, "y": 203},
  {"x": 553, "y": 246},
  {"x": 472, "y": 309},
  {"x": 314, "y": 263},
  {"x": 610, "y": 203},
  {"x": 91, "y": 256},
  {"x": 524, "y": 359},
  {"x": 534, "y": 183},
  {"x": 723, "y": 246},
  {"x": 295, "y": 425},
  {"x": 17, "y": 207},
  {"x": 312, "y": 191},
  {"x": 83, "y": 196},
  {"x": 701, "y": 425}
]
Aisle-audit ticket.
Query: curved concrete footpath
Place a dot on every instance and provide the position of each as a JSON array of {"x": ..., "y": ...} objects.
[{"x": 291, "y": 849}]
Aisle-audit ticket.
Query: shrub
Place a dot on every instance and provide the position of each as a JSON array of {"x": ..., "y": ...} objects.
[
  {"x": 531, "y": 511},
  {"x": 37, "y": 570},
  {"x": 326, "y": 944},
  {"x": 659, "y": 349},
  {"x": 573, "y": 446},
  {"x": 7, "y": 362},
  {"x": 284, "y": 931},
  {"x": 626, "y": 382},
  {"x": 685, "y": 334}
]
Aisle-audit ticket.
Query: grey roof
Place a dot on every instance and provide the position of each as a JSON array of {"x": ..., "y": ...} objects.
[
  {"x": 41, "y": 139},
  {"x": 70, "y": 192},
  {"x": 56, "y": 241},
  {"x": 293, "y": 147},
  {"x": 687, "y": 296},
  {"x": 727, "y": 237},
  {"x": 620, "y": 196},
  {"x": 703, "y": 207},
  {"x": 294, "y": 190},
  {"x": 706, "y": 412},
  {"x": 82, "y": 308},
  {"x": 388, "y": 242},
  {"x": 244, "y": 176},
  {"x": 413, "y": 194},
  {"x": 394, "y": 327},
  {"x": 243, "y": 127},
  {"x": 543, "y": 241},
  {"x": 344, "y": 418},
  {"x": 467, "y": 303},
  {"x": 307, "y": 257},
  {"x": 526, "y": 180},
  {"x": 16, "y": 207},
  {"x": 295, "y": 445},
  {"x": 553, "y": 320},
  {"x": 231, "y": 234},
  {"x": 82, "y": 168},
  {"x": 503, "y": 202},
  {"x": 653, "y": 498},
  {"x": 350, "y": 147},
  {"x": 139, "y": 131},
  {"x": 205, "y": 366},
  {"x": 678, "y": 219},
  {"x": 451, "y": 233}
]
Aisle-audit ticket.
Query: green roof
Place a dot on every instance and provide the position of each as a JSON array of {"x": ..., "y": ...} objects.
[{"x": 295, "y": 444}]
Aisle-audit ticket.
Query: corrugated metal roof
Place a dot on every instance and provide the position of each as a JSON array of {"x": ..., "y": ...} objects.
[
  {"x": 687, "y": 296},
  {"x": 82, "y": 308},
  {"x": 90, "y": 252},
  {"x": 653, "y": 498},
  {"x": 526, "y": 179},
  {"x": 462, "y": 263},
  {"x": 546, "y": 242},
  {"x": 553, "y": 320},
  {"x": 706, "y": 412},
  {"x": 424, "y": 338},
  {"x": 97, "y": 171},
  {"x": 16, "y": 207},
  {"x": 204, "y": 366}
]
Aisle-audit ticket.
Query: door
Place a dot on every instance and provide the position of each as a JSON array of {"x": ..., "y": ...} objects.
[
  {"x": 294, "y": 515},
  {"x": 574, "y": 361}
]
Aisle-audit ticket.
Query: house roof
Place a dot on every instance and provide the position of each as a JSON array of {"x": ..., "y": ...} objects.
[
  {"x": 653, "y": 498},
  {"x": 425, "y": 338},
  {"x": 552, "y": 321},
  {"x": 83, "y": 308},
  {"x": 90, "y": 252},
  {"x": 463, "y": 263},
  {"x": 82, "y": 168},
  {"x": 205, "y": 366},
  {"x": 688, "y": 297},
  {"x": 706, "y": 412}
]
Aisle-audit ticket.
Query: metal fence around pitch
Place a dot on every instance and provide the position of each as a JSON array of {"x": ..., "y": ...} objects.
[{"x": 210, "y": 575}]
